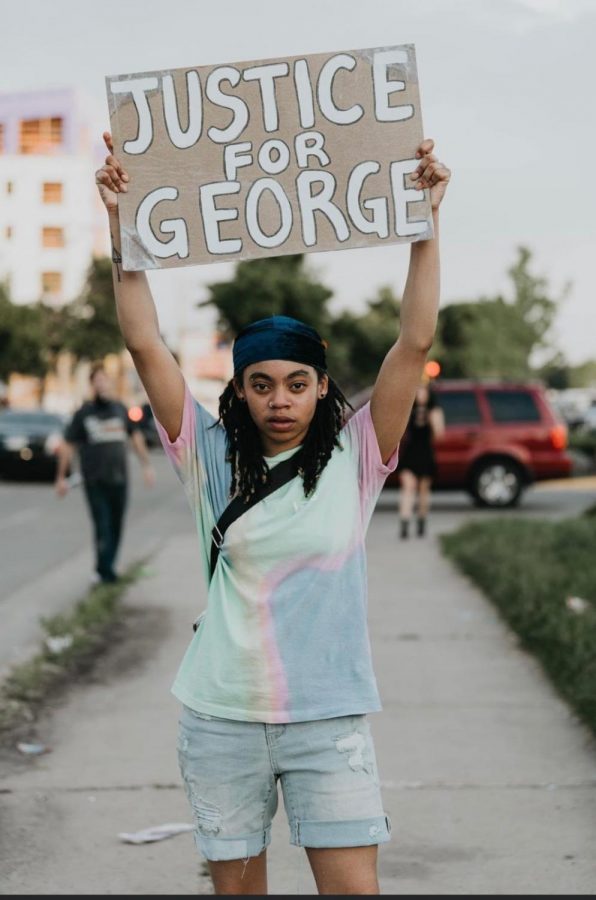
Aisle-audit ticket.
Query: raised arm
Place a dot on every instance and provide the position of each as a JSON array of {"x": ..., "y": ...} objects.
[
  {"x": 402, "y": 368},
  {"x": 157, "y": 368}
]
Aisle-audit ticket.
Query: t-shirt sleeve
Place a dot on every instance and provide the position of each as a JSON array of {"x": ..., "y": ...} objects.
[
  {"x": 75, "y": 432},
  {"x": 372, "y": 471},
  {"x": 198, "y": 456}
]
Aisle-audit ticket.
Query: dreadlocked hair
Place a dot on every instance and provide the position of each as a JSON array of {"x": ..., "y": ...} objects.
[{"x": 245, "y": 451}]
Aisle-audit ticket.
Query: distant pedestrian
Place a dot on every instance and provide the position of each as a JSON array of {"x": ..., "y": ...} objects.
[
  {"x": 277, "y": 680},
  {"x": 99, "y": 430},
  {"x": 416, "y": 465}
]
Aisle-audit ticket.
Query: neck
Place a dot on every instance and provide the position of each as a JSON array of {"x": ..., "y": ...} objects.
[{"x": 274, "y": 448}]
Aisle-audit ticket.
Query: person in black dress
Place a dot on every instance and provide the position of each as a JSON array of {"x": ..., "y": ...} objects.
[{"x": 416, "y": 465}]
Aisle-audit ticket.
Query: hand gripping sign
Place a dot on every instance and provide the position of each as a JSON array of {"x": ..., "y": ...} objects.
[{"x": 269, "y": 157}]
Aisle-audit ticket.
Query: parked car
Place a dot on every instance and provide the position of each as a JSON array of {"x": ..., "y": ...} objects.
[
  {"x": 499, "y": 438},
  {"x": 29, "y": 442},
  {"x": 588, "y": 423},
  {"x": 143, "y": 416}
]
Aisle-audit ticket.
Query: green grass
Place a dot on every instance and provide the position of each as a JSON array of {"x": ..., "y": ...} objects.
[
  {"x": 91, "y": 626},
  {"x": 528, "y": 569}
]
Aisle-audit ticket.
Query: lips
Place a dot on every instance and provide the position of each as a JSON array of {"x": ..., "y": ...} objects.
[{"x": 280, "y": 422}]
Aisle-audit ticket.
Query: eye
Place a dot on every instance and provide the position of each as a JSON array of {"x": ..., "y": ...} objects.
[
  {"x": 260, "y": 387},
  {"x": 299, "y": 385}
]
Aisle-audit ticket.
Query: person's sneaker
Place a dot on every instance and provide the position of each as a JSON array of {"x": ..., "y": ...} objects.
[
  {"x": 404, "y": 528},
  {"x": 421, "y": 531}
]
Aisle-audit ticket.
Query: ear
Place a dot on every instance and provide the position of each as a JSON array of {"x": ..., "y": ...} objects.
[
  {"x": 238, "y": 389},
  {"x": 323, "y": 386}
]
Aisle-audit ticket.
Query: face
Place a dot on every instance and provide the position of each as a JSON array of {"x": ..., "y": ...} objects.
[
  {"x": 282, "y": 397},
  {"x": 101, "y": 385}
]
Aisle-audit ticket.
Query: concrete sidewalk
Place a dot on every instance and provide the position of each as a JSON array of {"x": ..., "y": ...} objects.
[{"x": 488, "y": 779}]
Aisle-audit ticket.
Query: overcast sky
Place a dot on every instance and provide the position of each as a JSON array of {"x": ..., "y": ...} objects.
[{"x": 507, "y": 90}]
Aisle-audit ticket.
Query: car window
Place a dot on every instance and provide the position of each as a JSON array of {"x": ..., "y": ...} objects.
[
  {"x": 513, "y": 406},
  {"x": 459, "y": 407}
]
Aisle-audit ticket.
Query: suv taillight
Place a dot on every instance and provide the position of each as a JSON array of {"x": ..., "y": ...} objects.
[{"x": 558, "y": 437}]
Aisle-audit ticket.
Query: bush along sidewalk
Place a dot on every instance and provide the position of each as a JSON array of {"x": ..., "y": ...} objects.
[
  {"x": 70, "y": 647},
  {"x": 542, "y": 578}
]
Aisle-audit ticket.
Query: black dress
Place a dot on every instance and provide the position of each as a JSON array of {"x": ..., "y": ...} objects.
[{"x": 416, "y": 449}]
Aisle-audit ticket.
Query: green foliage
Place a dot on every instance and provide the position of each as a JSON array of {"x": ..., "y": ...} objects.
[
  {"x": 358, "y": 343},
  {"x": 32, "y": 335},
  {"x": 486, "y": 339},
  {"x": 495, "y": 337},
  {"x": 583, "y": 375},
  {"x": 528, "y": 569},
  {"x": 21, "y": 338},
  {"x": 92, "y": 329},
  {"x": 276, "y": 286}
]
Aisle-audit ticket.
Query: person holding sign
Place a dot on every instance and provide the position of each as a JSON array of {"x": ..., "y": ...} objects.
[{"x": 277, "y": 681}]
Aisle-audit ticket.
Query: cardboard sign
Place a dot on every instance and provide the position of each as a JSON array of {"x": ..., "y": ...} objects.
[{"x": 269, "y": 157}]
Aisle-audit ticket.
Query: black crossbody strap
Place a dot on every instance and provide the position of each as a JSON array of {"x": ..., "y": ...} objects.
[{"x": 278, "y": 476}]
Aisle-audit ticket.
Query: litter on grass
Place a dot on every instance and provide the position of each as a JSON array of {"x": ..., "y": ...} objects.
[
  {"x": 59, "y": 643},
  {"x": 577, "y": 604},
  {"x": 32, "y": 749}
]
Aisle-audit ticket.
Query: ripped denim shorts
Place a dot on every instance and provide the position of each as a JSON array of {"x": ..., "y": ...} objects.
[{"x": 328, "y": 774}]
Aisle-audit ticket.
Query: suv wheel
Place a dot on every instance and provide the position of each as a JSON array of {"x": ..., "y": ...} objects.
[{"x": 497, "y": 483}]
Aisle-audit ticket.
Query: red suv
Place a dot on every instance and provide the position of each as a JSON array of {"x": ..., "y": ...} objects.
[{"x": 499, "y": 437}]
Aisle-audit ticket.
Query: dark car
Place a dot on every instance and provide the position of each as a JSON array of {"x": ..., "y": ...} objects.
[
  {"x": 499, "y": 438},
  {"x": 143, "y": 416},
  {"x": 29, "y": 442}
]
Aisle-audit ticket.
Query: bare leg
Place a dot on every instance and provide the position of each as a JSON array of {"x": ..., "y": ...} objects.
[
  {"x": 423, "y": 504},
  {"x": 239, "y": 876},
  {"x": 424, "y": 487},
  {"x": 407, "y": 496},
  {"x": 344, "y": 870}
]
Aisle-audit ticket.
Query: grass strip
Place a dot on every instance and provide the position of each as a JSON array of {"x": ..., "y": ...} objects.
[
  {"x": 530, "y": 569},
  {"x": 81, "y": 635}
]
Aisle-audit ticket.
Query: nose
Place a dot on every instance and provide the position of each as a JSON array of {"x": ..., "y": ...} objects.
[{"x": 279, "y": 399}]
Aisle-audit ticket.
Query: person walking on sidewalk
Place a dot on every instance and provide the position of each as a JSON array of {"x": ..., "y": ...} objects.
[
  {"x": 99, "y": 429},
  {"x": 416, "y": 464},
  {"x": 277, "y": 680}
]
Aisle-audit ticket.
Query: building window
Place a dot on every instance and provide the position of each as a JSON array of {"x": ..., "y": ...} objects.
[
  {"x": 52, "y": 192},
  {"x": 40, "y": 135},
  {"x": 8, "y": 232},
  {"x": 9, "y": 187},
  {"x": 52, "y": 237},
  {"x": 51, "y": 283}
]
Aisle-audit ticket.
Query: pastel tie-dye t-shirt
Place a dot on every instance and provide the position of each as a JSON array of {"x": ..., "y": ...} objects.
[{"x": 284, "y": 637}]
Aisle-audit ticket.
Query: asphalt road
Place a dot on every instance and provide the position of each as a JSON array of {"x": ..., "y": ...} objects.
[{"x": 38, "y": 531}]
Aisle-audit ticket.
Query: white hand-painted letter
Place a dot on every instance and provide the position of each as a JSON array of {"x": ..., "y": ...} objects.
[
  {"x": 138, "y": 87},
  {"x": 178, "y": 243},
  {"x": 383, "y": 88}
]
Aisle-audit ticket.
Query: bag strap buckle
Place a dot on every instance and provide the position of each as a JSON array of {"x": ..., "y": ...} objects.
[{"x": 217, "y": 537}]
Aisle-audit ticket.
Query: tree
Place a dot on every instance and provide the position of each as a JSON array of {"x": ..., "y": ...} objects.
[
  {"x": 531, "y": 300},
  {"x": 483, "y": 339},
  {"x": 280, "y": 286},
  {"x": 359, "y": 343},
  {"x": 498, "y": 337},
  {"x": 21, "y": 338},
  {"x": 92, "y": 329}
]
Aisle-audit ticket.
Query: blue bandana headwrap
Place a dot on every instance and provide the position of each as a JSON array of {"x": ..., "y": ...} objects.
[{"x": 279, "y": 337}]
